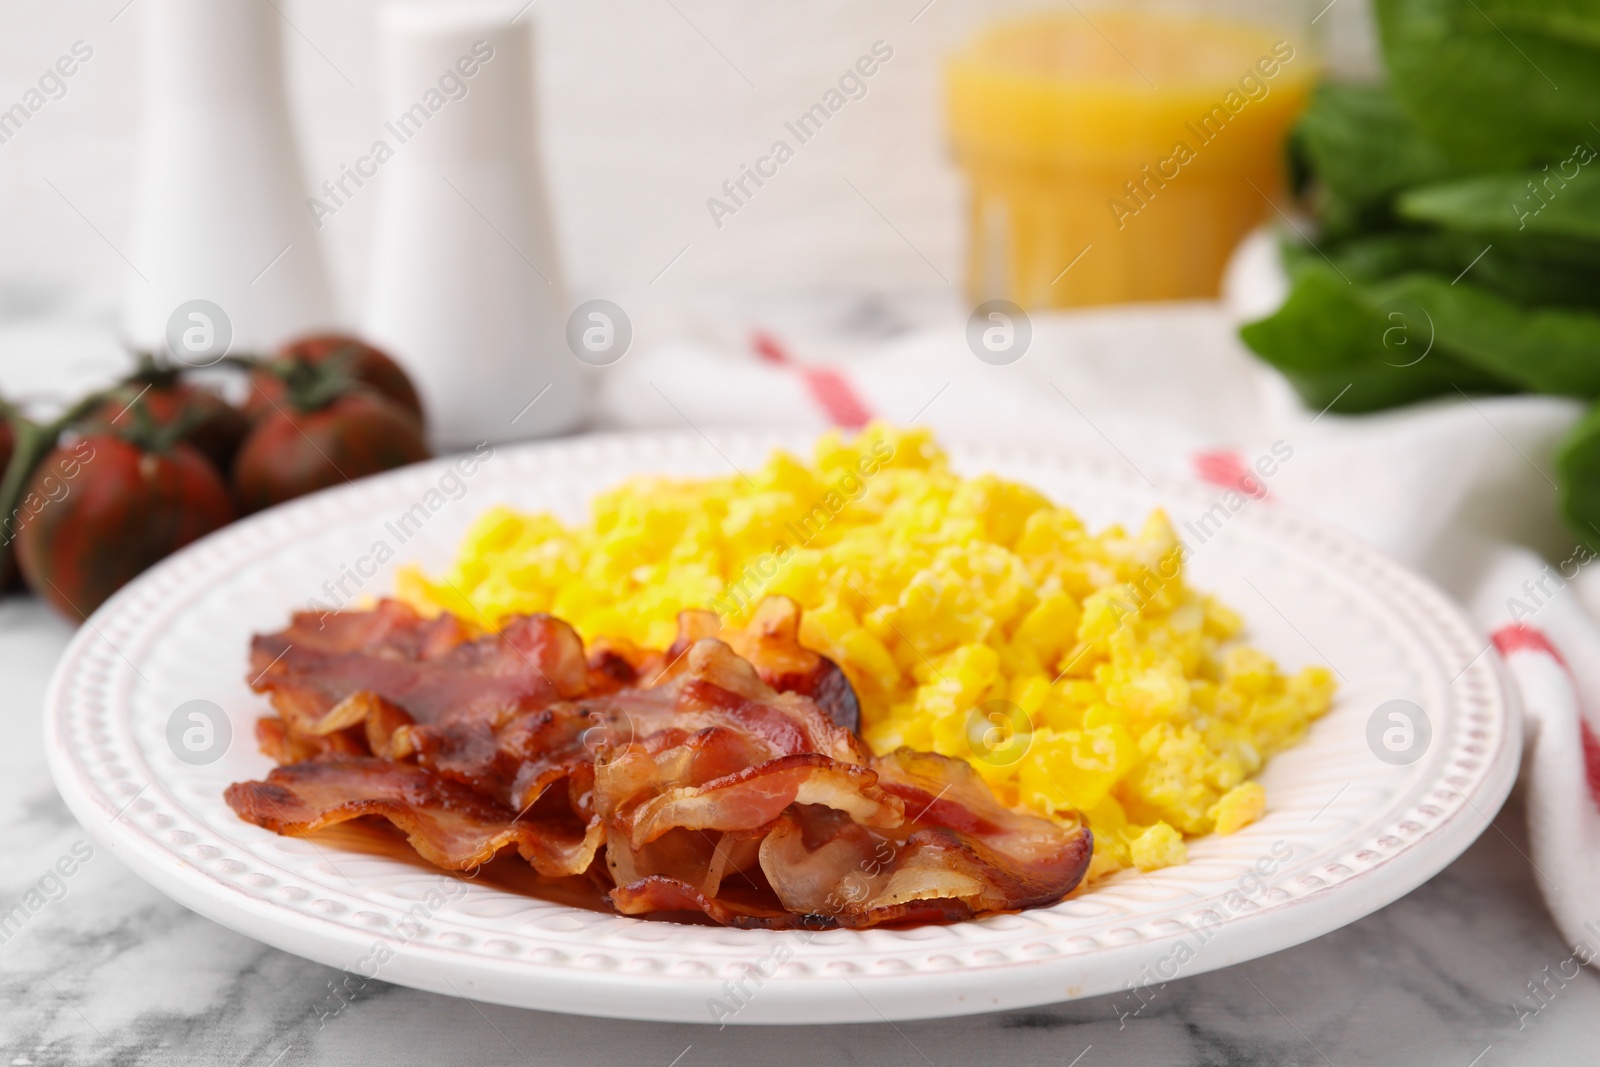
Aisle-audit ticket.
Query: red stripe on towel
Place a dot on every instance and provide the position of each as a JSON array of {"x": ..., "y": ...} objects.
[
  {"x": 1227, "y": 469},
  {"x": 1591, "y": 760},
  {"x": 1520, "y": 638},
  {"x": 829, "y": 388}
]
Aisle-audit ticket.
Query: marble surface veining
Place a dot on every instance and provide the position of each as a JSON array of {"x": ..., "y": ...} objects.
[{"x": 109, "y": 971}]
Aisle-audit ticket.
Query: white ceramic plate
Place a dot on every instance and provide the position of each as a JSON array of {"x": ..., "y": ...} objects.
[{"x": 1345, "y": 832}]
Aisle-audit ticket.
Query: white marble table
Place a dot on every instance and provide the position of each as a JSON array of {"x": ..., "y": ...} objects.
[{"x": 113, "y": 972}]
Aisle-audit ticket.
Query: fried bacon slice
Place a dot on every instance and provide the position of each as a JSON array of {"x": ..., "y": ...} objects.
[
  {"x": 361, "y": 682},
  {"x": 720, "y": 778},
  {"x": 430, "y": 668},
  {"x": 771, "y": 644},
  {"x": 719, "y": 688},
  {"x": 957, "y": 845},
  {"x": 449, "y": 824}
]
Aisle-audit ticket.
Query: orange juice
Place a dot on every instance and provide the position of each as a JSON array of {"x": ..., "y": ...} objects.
[{"x": 1118, "y": 155}]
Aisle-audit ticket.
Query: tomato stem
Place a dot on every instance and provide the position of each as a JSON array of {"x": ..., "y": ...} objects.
[
  {"x": 148, "y": 435},
  {"x": 312, "y": 386}
]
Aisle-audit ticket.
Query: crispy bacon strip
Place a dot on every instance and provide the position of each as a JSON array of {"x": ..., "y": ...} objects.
[
  {"x": 718, "y": 687},
  {"x": 717, "y": 703},
  {"x": 771, "y": 644},
  {"x": 616, "y": 663},
  {"x": 757, "y": 795},
  {"x": 958, "y": 845},
  {"x": 728, "y": 786},
  {"x": 953, "y": 853},
  {"x": 449, "y": 824},
  {"x": 430, "y": 668},
  {"x": 513, "y": 761}
]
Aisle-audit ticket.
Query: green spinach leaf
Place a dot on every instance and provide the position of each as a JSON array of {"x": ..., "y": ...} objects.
[
  {"x": 1498, "y": 84},
  {"x": 1527, "y": 269},
  {"x": 1362, "y": 146},
  {"x": 1560, "y": 200},
  {"x": 1348, "y": 346},
  {"x": 1545, "y": 350},
  {"x": 1578, "y": 464}
]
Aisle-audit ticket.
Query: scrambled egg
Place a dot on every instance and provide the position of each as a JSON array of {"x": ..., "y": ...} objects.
[{"x": 1076, "y": 671}]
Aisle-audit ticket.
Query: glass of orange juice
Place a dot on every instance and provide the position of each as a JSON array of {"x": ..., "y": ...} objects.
[{"x": 1119, "y": 152}]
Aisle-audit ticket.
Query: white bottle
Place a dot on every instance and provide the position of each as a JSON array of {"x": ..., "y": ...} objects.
[
  {"x": 221, "y": 214},
  {"x": 466, "y": 283}
]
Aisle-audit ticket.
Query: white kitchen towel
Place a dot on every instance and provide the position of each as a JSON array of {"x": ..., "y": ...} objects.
[{"x": 1460, "y": 488}]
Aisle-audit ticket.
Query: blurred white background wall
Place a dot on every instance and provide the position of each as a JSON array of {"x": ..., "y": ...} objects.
[{"x": 648, "y": 107}]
